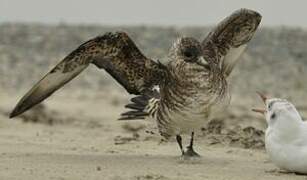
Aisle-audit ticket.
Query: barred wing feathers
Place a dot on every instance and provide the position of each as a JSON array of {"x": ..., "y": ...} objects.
[
  {"x": 228, "y": 40},
  {"x": 114, "y": 52}
]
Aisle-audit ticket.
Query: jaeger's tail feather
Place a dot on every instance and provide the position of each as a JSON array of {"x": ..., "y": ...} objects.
[{"x": 140, "y": 106}]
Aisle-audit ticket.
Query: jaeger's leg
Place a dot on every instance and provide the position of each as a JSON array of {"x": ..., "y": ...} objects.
[
  {"x": 179, "y": 141},
  {"x": 190, "y": 151}
]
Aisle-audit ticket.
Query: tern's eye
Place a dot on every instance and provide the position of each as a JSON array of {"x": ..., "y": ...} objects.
[
  {"x": 270, "y": 106},
  {"x": 273, "y": 116}
]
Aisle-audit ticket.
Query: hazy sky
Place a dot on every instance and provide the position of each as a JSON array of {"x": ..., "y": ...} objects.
[{"x": 152, "y": 12}]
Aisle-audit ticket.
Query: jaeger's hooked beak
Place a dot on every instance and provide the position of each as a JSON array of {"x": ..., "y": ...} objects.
[
  {"x": 263, "y": 98},
  {"x": 202, "y": 62}
]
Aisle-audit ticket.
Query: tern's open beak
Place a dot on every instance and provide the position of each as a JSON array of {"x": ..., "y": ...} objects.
[
  {"x": 262, "y": 111},
  {"x": 262, "y": 96}
]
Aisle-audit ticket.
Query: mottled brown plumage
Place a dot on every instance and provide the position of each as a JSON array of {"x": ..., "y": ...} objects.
[
  {"x": 179, "y": 95},
  {"x": 114, "y": 52},
  {"x": 233, "y": 32}
]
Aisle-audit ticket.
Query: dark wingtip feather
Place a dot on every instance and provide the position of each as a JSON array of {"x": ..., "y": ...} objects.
[
  {"x": 142, "y": 100},
  {"x": 14, "y": 113},
  {"x": 138, "y": 106},
  {"x": 135, "y": 106},
  {"x": 134, "y": 113},
  {"x": 130, "y": 118}
]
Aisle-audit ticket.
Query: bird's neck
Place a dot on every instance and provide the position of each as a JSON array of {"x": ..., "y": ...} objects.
[{"x": 193, "y": 75}]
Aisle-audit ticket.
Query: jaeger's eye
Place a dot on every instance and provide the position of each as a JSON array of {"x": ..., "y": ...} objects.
[
  {"x": 273, "y": 116},
  {"x": 188, "y": 54}
]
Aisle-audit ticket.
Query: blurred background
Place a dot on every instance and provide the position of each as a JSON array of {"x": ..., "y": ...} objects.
[
  {"x": 158, "y": 12},
  {"x": 36, "y": 34}
]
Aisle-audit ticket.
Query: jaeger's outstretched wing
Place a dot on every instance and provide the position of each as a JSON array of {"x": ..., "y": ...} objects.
[
  {"x": 226, "y": 42},
  {"x": 114, "y": 52}
]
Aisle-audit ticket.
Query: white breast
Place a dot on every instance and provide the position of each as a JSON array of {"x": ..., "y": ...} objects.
[{"x": 287, "y": 156}]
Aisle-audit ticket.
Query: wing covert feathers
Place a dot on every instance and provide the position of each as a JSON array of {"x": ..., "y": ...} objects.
[
  {"x": 114, "y": 52},
  {"x": 226, "y": 42}
]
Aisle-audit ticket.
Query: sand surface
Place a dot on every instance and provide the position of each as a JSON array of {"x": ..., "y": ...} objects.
[{"x": 99, "y": 147}]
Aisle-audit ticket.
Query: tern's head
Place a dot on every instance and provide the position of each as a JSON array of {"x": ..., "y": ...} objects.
[{"x": 279, "y": 112}]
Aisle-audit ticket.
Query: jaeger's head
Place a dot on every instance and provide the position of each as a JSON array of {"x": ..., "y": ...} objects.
[{"x": 189, "y": 51}]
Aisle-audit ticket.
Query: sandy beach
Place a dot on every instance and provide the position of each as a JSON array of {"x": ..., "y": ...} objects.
[{"x": 99, "y": 147}]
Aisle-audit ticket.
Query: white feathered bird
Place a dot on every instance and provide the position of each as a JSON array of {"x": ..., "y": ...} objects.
[{"x": 286, "y": 135}]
